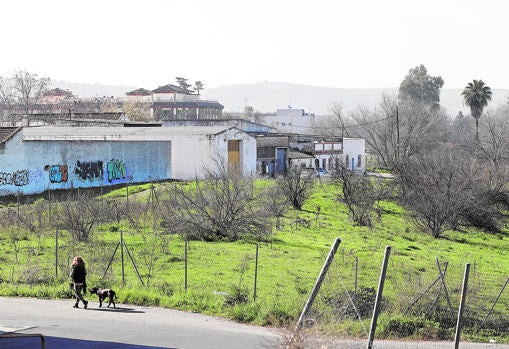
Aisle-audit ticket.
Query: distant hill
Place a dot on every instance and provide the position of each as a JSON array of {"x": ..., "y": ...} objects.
[{"x": 270, "y": 96}]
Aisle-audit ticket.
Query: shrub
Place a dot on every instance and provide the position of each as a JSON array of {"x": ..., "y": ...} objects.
[
  {"x": 238, "y": 295},
  {"x": 244, "y": 312},
  {"x": 407, "y": 326},
  {"x": 279, "y": 316}
]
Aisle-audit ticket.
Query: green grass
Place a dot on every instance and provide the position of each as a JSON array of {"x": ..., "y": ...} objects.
[{"x": 288, "y": 267}]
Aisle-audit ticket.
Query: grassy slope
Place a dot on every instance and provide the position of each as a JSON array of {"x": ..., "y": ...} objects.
[{"x": 287, "y": 268}]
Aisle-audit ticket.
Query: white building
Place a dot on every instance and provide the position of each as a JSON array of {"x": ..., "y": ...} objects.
[
  {"x": 290, "y": 121},
  {"x": 349, "y": 152},
  {"x": 36, "y": 159}
]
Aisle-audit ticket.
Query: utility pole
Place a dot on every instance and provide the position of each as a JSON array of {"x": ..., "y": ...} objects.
[{"x": 397, "y": 133}]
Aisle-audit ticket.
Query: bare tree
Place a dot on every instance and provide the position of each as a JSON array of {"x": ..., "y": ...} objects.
[
  {"x": 27, "y": 90},
  {"x": 379, "y": 129},
  {"x": 275, "y": 201},
  {"x": 79, "y": 214},
  {"x": 395, "y": 132},
  {"x": 359, "y": 193},
  {"x": 7, "y": 98},
  {"x": 336, "y": 125},
  {"x": 433, "y": 187},
  {"x": 494, "y": 136},
  {"x": 461, "y": 132},
  {"x": 220, "y": 207},
  {"x": 445, "y": 189},
  {"x": 295, "y": 186}
]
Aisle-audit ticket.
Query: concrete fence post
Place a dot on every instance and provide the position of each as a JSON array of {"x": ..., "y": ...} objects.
[
  {"x": 462, "y": 306},
  {"x": 318, "y": 283},
  {"x": 378, "y": 299}
]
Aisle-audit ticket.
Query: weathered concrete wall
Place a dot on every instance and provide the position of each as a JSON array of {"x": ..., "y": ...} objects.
[{"x": 32, "y": 167}]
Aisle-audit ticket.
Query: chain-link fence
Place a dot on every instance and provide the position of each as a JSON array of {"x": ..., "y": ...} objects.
[{"x": 419, "y": 305}]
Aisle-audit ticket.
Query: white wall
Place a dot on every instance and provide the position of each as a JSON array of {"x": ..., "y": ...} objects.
[
  {"x": 355, "y": 147},
  {"x": 190, "y": 153},
  {"x": 291, "y": 124}
]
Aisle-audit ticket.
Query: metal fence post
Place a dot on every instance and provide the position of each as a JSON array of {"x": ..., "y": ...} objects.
[
  {"x": 256, "y": 274},
  {"x": 378, "y": 299},
  {"x": 56, "y": 252},
  {"x": 185, "y": 265},
  {"x": 462, "y": 306},
  {"x": 318, "y": 282},
  {"x": 122, "y": 255}
]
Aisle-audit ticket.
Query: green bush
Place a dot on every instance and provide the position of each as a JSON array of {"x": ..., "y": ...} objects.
[
  {"x": 279, "y": 315},
  {"x": 407, "y": 326},
  {"x": 244, "y": 312},
  {"x": 237, "y": 295}
]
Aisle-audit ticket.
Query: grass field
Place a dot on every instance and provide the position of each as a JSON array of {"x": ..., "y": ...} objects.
[{"x": 220, "y": 277}]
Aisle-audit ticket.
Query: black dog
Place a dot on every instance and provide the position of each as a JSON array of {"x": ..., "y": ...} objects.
[{"x": 104, "y": 293}]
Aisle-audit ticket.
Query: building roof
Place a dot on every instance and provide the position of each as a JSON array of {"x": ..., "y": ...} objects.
[
  {"x": 170, "y": 89},
  {"x": 295, "y": 154},
  {"x": 57, "y": 92},
  {"x": 139, "y": 92},
  {"x": 7, "y": 132},
  {"x": 272, "y": 140},
  {"x": 118, "y": 133}
]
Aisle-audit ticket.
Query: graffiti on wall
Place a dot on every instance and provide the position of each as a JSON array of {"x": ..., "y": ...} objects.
[
  {"x": 117, "y": 171},
  {"x": 58, "y": 173},
  {"x": 89, "y": 170},
  {"x": 18, "y": 178}
]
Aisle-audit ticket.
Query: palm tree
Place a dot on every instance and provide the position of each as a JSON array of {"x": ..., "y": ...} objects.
[
  {"x": 198, "y": 86},
  {"x": 476, "y": 96}
]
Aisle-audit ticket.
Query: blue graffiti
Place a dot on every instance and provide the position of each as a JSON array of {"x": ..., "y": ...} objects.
[
  {"x": 58, "y": 173},
  {"x": 117, "y": 171}
]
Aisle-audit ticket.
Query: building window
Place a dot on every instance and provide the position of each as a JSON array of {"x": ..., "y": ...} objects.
[
  {"x": 359, "y": 161},
  {"x": 347, "y": 161}
]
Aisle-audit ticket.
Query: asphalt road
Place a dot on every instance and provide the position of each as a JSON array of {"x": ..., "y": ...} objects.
[
  {"x": 124, "y": 327},
  {"x": 135, "y": 327}
]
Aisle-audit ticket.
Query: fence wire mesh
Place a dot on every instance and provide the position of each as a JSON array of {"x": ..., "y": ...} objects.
[{"x": 419, "y": 304}]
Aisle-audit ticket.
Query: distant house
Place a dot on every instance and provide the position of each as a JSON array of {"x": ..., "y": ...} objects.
[
  {"x": 55, "y": 96},
  {"x": 36, "y": 159},
  {"x": 300, "y": 159},
  {"x": 272, "y": 154},
  {"x": 140, "y": 95},
  {"x": 170, "y": 102},
  {"x": 290, "y": 120},
  {"x": 327, "y": 154}
]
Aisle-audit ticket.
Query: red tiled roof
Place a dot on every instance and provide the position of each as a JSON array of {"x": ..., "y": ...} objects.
[{"x": 170, "y": 89}]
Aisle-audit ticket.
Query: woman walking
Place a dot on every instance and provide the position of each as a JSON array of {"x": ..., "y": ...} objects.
[{"x": 79, "y": 279}]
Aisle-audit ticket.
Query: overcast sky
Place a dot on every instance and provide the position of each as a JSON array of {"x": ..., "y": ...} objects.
[{"x": 333, "y": 43}]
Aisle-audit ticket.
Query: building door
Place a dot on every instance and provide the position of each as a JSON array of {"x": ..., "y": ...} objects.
[
  {"x": 234, "y": 156},
  {"x": 281, "y": 161}
]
